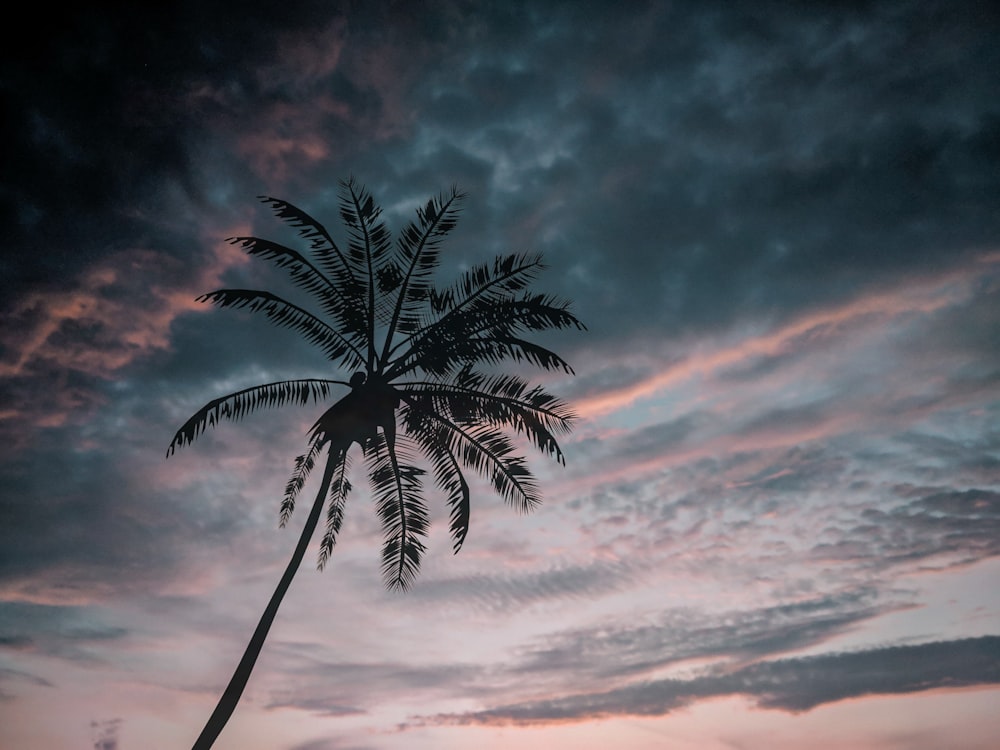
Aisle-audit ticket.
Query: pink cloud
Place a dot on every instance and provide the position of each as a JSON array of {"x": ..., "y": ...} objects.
[
  {"x": 919, "y": 296},
  {"x": 114, "y": 314},
  {"x": 120, "y": 329},
  {"x": 840, "y": 383}
]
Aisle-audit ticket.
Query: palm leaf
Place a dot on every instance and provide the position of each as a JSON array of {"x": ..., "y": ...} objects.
[
  {"x": 320, "y": 241},
  {"x": 339, "y": 489},
  {"x": 482, "y": 284},
  {"x": 307, "y": 276},
  {"x": 396, "y": 488},
  {"x": 529, "y": 312},
  {"x": 449, "y": 356},
  {"x": 368, "y": 247},
  {"x": 496, "y": 349},
  {"x": 418, "y": 252},
  {"x": 283, "y": 313},
  {"x": 237, "y": 405},
  {"x": 303, "y": 466},
  {"x": 484, "y": 331},
  {"x": 449, "y": 477},
  {"x": 500, "y": 400},
  {"x": 496, "y": 281},
  {"x": 481, "y": 448}
]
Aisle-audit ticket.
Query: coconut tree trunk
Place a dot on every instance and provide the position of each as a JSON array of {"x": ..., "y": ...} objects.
[{"x": 227, "y": 703}]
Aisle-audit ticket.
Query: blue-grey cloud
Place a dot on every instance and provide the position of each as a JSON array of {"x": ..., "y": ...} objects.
[
  {"x": 614, "y": 650},
  {"x": 74, "y": 634},
  {"x": 790, "y": 684},
  {"x": 344, "y": 688},
  {"x": 963, "y": 523}
]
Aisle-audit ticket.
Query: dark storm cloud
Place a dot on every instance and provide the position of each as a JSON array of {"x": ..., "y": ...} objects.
[
  {"x": 678, "y": 168},
  {"x": 94, "y": 127},
  {"x": 689, "y": 165},
  {"x": 802, "y": 684},
  {"x": 789, "y": 684},
  {"x": 786, "y": 157},
  {"x": 113, "y": 112}
]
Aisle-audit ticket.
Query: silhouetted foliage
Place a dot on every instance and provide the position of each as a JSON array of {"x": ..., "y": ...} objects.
[{"x": 415, "y": 396}]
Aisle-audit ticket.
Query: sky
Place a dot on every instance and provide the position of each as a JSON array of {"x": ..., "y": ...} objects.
[{"x": 778, "y": 524}]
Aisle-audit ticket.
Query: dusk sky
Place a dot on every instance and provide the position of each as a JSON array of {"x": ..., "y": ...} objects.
[{"x": 778, "y": 525}]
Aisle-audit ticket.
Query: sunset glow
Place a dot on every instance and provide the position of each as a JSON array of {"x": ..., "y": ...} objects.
[{"x": 778, "y": 525}]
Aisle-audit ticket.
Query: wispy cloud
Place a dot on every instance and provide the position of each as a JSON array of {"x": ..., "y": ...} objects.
[
  {"x": 12, "y": 676},
  {"x": 619, "y": 649},
  {"x": 873, "y": 312},
  {"x": 788, "y": 685}
]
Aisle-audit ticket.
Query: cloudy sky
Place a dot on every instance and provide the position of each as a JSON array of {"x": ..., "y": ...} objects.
[{"x": 778, "y": 525}]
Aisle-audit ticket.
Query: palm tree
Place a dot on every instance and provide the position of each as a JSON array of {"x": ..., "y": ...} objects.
[{"x": 415, "y": 393}]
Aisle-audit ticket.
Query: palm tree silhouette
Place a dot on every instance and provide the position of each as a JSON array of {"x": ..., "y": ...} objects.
[{"x": 412, "y": 350}]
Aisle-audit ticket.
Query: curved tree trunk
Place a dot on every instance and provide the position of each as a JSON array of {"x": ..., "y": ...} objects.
[{"x": 231, "y": 696}]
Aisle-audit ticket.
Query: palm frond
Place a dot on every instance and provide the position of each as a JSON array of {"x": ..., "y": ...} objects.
[
  {"x": 303, "y": 466},
  {"x": 449, "y": 477},
  {"x": 396, "y": 487},
  {"x": 332, "y": 297},
  {"x": 418, "y": 254},
  {"x": 334, "y": 345},
  {"x": 499, "y": 400},
  {"x": 482, "y": 448},
  {"x": 494, "y": 282},
  {"x": 320, "y": 242},
  {"x": 496, "y": 349},
  {"x": 483, "y": 284},
  {"x": 529, "y": 312},
  {"x": 368, "y": 248},
  {"x": 237, "y": 405},
  {"x": 485, "y": 331},
  {"x": 340, "y": 487}
]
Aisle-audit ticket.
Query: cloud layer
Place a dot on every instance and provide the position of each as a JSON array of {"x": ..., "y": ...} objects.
[{"x": 780, "y": 226}]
